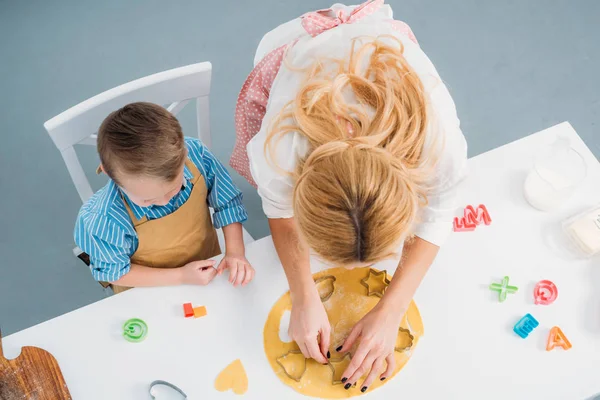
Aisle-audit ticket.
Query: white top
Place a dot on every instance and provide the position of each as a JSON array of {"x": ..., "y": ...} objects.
[{"x": 276, "y": 189}]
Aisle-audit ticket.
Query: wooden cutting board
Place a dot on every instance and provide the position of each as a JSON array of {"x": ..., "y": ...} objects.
[{"x": 33, "y": 375}]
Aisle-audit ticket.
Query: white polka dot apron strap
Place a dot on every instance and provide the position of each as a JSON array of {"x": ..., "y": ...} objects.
[
  {"x": 251, "y": 108},
  {"x": 317, "y": 22}
]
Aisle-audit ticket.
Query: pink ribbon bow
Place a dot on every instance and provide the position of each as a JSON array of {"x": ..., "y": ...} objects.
[{"x": 317, "y": 22}]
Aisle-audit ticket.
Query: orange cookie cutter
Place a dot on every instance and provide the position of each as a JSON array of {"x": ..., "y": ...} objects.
[{"x": 557, "y": 338}]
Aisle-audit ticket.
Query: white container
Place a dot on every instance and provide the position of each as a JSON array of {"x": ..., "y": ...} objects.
[
  {"x": 556, "y": 173},
  {"x": 584, "y": 231}
]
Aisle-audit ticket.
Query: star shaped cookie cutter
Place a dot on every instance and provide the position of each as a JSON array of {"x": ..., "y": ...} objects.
[
  {"x": 295, "y": 376},
  {"x": 381, "y": 280},
  {"x": 338, "y": 369}
]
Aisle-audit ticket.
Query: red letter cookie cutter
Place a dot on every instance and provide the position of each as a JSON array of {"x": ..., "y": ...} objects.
[
  {"x": 472, "y": 218},
  {"x": 479, "y": 216},
  {"x": 545, "y": 292},
  {"x": 462, "y": 225}
]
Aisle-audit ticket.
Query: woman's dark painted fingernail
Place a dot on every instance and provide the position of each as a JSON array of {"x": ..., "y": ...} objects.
[
  {"x": 383, "y": 379},
  {"x": 344, "y": 380},
  {"x": 328, "y": 354},
  {"x": 364, "y": 389},
  {"x": 347, "y": 386},
  {"x": 339, "y": 348}
]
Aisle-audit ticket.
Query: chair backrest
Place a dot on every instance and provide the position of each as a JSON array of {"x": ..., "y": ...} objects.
[{"x": 174, "y": 88}]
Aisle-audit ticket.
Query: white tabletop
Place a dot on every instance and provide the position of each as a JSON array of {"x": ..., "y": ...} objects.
[{"x": 468, "y": 352}]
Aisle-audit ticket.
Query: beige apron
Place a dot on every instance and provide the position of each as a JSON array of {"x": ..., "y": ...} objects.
[{"x": 181, "y": 237}]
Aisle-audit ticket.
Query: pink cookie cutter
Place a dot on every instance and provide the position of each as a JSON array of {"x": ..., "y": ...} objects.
[
  {"x": 545, "y": 292},
  {"x": 472, "y": 218},
  {"x": 478, "y": 216},
  {"x": 463, "y": 225}
]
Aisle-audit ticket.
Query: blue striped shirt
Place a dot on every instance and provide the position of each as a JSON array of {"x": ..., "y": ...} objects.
[{"x": 105, "y": 231}]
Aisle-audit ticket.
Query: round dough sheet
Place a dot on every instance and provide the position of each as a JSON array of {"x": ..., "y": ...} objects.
[{"x": 345, "y": 296}]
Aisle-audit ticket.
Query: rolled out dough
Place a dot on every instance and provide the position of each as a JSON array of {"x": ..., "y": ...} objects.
[{"x": 346, "y": 306}]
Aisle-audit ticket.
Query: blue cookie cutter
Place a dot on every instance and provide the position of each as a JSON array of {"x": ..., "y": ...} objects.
[{"x": 525, "y": 325}]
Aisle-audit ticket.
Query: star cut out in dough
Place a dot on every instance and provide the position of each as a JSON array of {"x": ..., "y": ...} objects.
[
  {"x": 338, "y": 367},
  {"x": 325, "y": 287},
  {"x": 293, "y": 364},
  {"x": 404, "y": 341},
  {"x": 376, "y": 282}
]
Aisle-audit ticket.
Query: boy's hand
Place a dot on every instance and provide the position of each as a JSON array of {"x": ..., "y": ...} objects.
[
  {"x": 198, "y": 272},
  {"x": 240, "y": 270}
]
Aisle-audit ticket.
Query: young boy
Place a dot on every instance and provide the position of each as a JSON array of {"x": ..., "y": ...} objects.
[{"x": 150, "y": 225}]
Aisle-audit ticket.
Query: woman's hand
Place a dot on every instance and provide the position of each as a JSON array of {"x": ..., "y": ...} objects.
[
  {"x": 309, "y": 326},
  {"x": 378, "y": 331},
  {"x": 198, "y": 272},
  {"x": 240, "y": 270}
]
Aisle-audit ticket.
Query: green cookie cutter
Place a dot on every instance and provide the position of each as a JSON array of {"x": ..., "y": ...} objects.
[{"x": 135, "y": 330}]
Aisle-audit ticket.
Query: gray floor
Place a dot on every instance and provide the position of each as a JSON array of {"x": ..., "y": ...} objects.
[{"x": 514, "y": 67}]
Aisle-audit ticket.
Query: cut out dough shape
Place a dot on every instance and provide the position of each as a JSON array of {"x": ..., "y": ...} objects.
[
  {"x": 293, "y": 364},
  {"x": 346, "y": 306},
  {"x": 376, "y": 282},
  {"x": 325, "y": 287},
  {"x": 233, "y": 377},
  {"x": 404, "y": 341}
]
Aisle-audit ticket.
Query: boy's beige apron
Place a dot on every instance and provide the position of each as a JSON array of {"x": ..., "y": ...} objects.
[{"x": 183, "y": 236}]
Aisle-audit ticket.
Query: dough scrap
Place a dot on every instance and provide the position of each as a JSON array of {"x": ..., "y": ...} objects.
[
  {"x": 404, "y": 341},
  {"x": 233, "y": 377}
]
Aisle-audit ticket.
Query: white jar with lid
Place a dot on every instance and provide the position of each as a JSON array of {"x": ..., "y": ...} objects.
[{"x": 584, "y": 231}]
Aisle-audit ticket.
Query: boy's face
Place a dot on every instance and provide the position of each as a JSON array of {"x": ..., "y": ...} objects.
[{"x": 147, "y": 191}]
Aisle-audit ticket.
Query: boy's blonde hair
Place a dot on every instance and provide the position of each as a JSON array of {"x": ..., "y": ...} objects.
[
  {"x": 358, "y": 191},
  {"x": 141, "y": 139}
]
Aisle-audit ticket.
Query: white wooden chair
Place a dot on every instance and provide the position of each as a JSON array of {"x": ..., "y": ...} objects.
[{"x": 176, "y": 88}]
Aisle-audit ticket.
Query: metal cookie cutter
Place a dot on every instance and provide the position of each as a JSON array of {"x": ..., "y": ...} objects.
[{"x": 154, "y": 384}]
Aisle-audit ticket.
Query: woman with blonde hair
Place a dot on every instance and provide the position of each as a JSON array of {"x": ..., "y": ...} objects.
[{"x": 353, "y": 142}]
